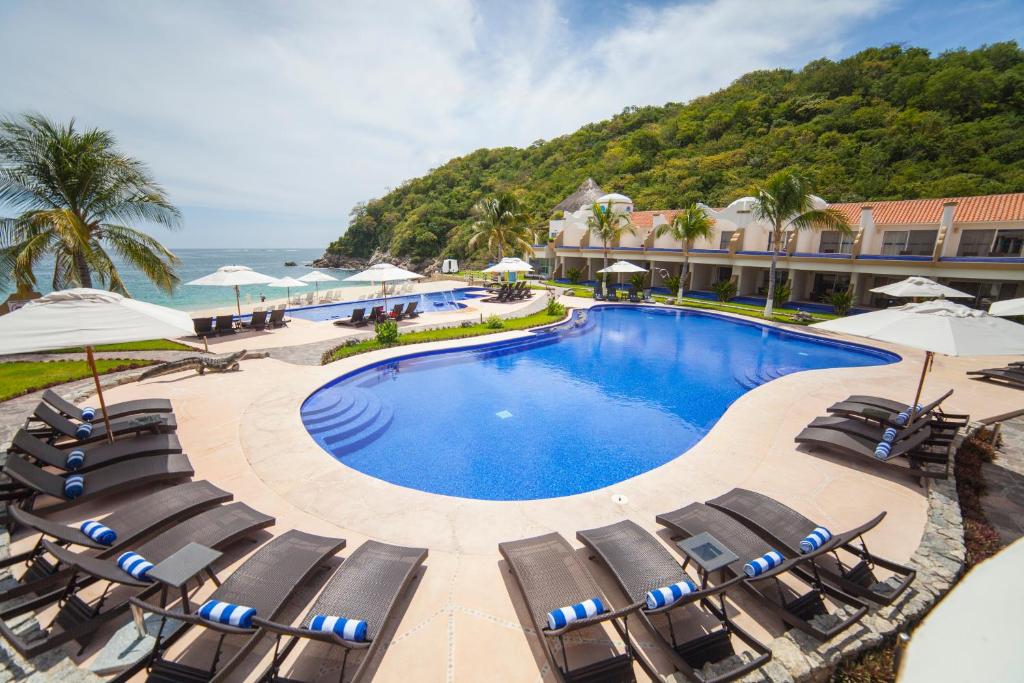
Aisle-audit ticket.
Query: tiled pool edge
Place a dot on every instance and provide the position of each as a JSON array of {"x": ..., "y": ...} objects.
[{"x": 939, "y": 560}]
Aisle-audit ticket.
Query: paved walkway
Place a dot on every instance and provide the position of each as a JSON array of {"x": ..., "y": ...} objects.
[{"x": 1004, "y": 484}]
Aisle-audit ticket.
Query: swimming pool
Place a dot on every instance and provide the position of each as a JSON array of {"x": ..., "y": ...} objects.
[
  {"x": 433, "y": 301},
  {"x": 558, "y": 412}
]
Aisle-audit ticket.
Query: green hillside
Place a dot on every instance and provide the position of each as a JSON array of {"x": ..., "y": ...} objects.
[{"x": 886, "y": 123}]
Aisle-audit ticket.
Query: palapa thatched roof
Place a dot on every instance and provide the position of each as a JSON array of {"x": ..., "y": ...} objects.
[{"x": 586, "y": 193}]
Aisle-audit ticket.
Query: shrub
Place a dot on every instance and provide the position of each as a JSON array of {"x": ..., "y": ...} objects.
[
  {"x": 782, "y": 292},
  {"x": 637, "y": 280},
  {"x": 672, "y": 283},
  {"x": 494, "y": 323},
  {"x": 387, "y": 332},
  {"x": 724, "y": 289},
  {"x": 574, "y": 275},
  {"x": 842, "y": 301},
  {"x": 555, "y": 307}
]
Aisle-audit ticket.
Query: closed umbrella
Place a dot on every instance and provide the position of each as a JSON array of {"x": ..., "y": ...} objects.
[
  {"x": 921, "y": 288},
  {"x": 233, "y": 276},
  {"x": 383, "y": 273},
  {"x": 316, "y": 277},
  {"x": 1007, "y": 308},
  {"x": 288, "y": 283},
  {"x": 622, "y": 267},
  {"x": 937, "y": 326},
  {"x": 87, "y": 317}
]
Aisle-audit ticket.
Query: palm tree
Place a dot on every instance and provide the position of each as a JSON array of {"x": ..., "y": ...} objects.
[
  {"x": 786, "y": 203},
  {"x": 609, "y": 226},
  {"x": 503, "y": 223},
  {"x": 78, "y": 196},
  {"x": 687, "y": 226}
]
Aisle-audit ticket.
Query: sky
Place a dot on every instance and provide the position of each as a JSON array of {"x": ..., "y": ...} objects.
[{"x": 267, "y": 121}]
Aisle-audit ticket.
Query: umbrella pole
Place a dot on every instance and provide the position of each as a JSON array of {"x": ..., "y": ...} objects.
[
  {"x": 238, "y": 304},
  {"x": 99, "y": 392},
  {"x": 920, "y": 385}
]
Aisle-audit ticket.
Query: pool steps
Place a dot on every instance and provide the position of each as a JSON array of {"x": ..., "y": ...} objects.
[{"x": 355, "y": 419}]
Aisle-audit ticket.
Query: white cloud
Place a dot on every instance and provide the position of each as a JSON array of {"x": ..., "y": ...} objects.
[{"x": 304, "y": 108}]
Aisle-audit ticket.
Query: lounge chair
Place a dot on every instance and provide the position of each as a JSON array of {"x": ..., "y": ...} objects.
[
  {"x": 784, "y": 528},
  {"x": 30, "y": 482},
  {"x": 550, "y": 576},
  {"x": 639, "y": 563},
  {"x": 910, "y": 454},
  {"x": 277, "y": 318},
  {"x": 357, "y": 319},
  {"x": 647, "y": 298},
  {"x": 796, "y": 610},
  {"x": 264, "y": 582},
  {"x": 257, "y": 322},
  {"x": 203, "y": 326},
  {"x": 868, "y": 430},
  {"x": 634, "y": 296},
  {"x": 367, "y": 586},
  {"x": 598, "y": 295},
  {"x": 410, "y": 310},
  {"x": 97, "y": 454},
  {"x": 114, "y": 410},
  {"x": 1008, "y": 376},
  {"x": 396, "y": 312},
  {"x": 131, "y": 522},
  {"x": 377, "y": 314},
  {"x": 225, "y": 324},
  {"x": 56, "y": 426},
  {"x": 885, "y": 410},
  {"x": 215, "y": 528}
]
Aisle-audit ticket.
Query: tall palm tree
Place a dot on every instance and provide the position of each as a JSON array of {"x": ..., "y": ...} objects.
[
  {"x": 78, "y": 197},
  {"x": 608, "y": 226},
  {"x": 503, "y": 223},
  {"x": 786, "y": 203},
  {"x": 687, "y": 226}
]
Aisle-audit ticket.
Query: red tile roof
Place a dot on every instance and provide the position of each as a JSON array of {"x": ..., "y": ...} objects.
[{"x": 984, "y": 209}]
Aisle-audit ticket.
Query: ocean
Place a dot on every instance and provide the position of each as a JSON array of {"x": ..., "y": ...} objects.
[{"x": 196, "y": 263}]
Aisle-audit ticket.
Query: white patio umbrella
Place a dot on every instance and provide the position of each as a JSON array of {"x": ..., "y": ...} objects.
[
  {"x": 233, "y": 276},
  {"x": 622, "y": 267},
  {"x": 316, "y": 277},
  {"x": 509, "y": 264},
  {"x": 921, "y": 288},
  {"x": 383, "y": 273},
  {"x": 87, "y": 317},
  {"x": 937, "y": 326},
  {"x": 288, "y": 283},
  {"x": 1007, "y": 308}
]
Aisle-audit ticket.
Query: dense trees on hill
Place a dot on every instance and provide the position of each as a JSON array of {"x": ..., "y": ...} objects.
[{"x": 886, "y": 123}]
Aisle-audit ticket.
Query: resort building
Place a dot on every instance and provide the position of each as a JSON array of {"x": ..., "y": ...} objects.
[{"x": 974, "y": 244}]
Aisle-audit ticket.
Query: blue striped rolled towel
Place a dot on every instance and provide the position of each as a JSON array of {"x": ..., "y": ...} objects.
[
  {"x": 667, "y": 595},
  {"x": 134, "y": 564},
  {"x": 814, "y": 540},
  {"x": 889, "y": 435},
  {"x": 902, "y": 417},
  {"x": 226, "y": 613},
  {"x": 83, "y": 431},
  {"x": 563, "y": 616},
  {"x": 346, "y": 629},
  {"x": 88, "y": 414},
  {"x": 757, "y": 566},
  {"x": 882, "y": 450},
  {"x": 74, "y": 486},
  {"x": 98, "y": 532},
  {"x": 75, "y": 460}
]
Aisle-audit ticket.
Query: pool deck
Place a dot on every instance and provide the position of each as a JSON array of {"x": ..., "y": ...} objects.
[{"x": 242, "y": 431}]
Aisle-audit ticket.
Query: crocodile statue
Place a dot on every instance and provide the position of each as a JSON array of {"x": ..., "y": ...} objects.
[{"x": 198, "y": 363}]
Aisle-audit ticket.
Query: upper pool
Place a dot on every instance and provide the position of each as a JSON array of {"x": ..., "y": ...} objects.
[{"x": 559, "y": 412}]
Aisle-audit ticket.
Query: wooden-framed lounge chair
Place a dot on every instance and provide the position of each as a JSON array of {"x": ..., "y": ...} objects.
[
  {"x": 796, "y": 610},
  {"x": 367, "y": 586},
  {"x": 875, "y": 431},
  {"x": 258, "y": 321},
  {"x": 215, "y": 528},
  {"x": 264, "y": 582},
  {"x": 114, "y": 410},
  {"x": 639, "y": 563},
  {"x": 203, "y": 326},
  {"x": 29, "y": 481},
  {"x": 784, "y": 528},
  {"x": 357, "y": 319},
  {"x": 225, "y": 324},
  {"x": 410, "y": 310},
  {"x": 277, "y": 318},
  {"x": 131, "y": 522},
  {"x": 550, "y": 576},
  {"x": 908, "y": 454},
  {"x": 1008, "y": 376},
  {"x": 57, "y": 426},
  {"x": 886, "y": 410},
  {"x": 97, "y": 454}
]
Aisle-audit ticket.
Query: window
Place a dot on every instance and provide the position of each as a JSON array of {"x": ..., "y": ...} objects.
[
  {"x": 909, "y": 242},
  {"x": 836, "y": 242},
  {"x": 826, "y": 284},
  {"x": 724, "y": 239},
  {"x": 1008, "y": 243},
  {"x": 975, "y": 242},
  {"x": 724, "y": 273}
]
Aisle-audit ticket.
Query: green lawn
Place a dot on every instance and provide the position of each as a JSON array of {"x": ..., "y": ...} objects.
[
  {"x": 151, "y": 345},
  {"x": 22, "y": 377},
  {"x": 523, "y": 323}
]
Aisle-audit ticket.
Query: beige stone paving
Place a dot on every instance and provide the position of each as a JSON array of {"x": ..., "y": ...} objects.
[{"x": 243, "y": 432}]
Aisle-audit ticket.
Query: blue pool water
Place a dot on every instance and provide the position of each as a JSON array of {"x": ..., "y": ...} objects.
[
  {"x": 434, "y": 301},
  {"x": 559, "y": 412}
]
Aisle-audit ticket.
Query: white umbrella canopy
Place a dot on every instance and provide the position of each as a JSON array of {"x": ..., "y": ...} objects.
[
  {"x": 937, "y": 326},
  {"x": 1007, "y": 308},
  {"x": 622, "y": 267},
  {"x": 233, "y": 276},
  {"x": 317, "y": 277},
  {"x": 921, "y": 288},
  {"x": 383, "y": 273},
  {"x": 87, "y": 317},
  {"x": 509, "y": 265},
  {"x": 288, "y": 283}
]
